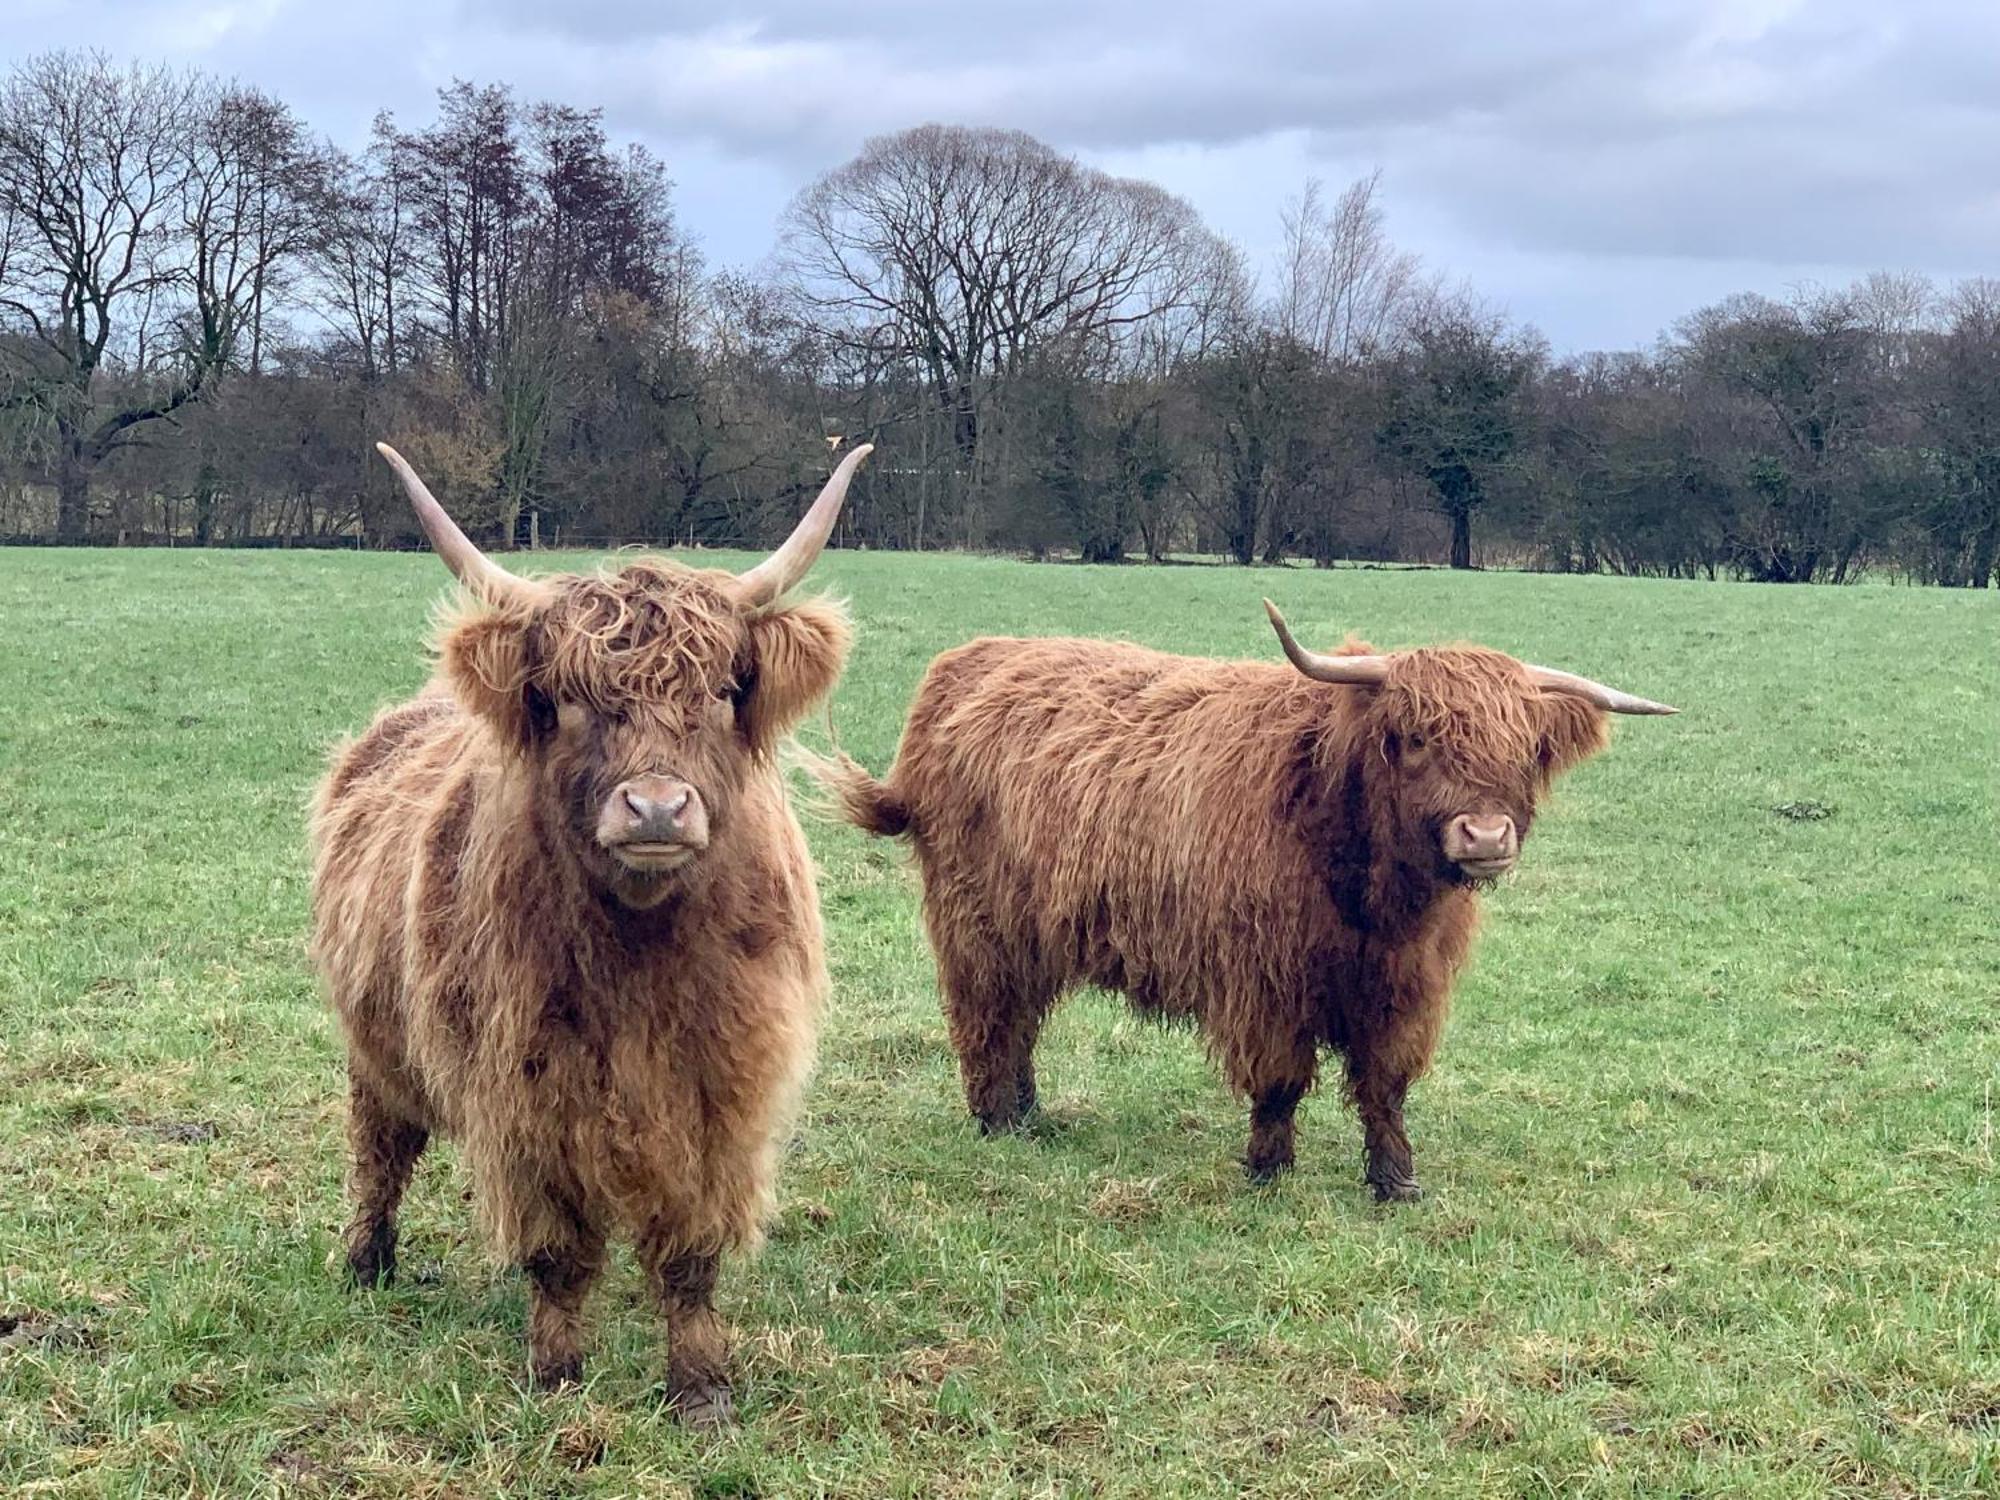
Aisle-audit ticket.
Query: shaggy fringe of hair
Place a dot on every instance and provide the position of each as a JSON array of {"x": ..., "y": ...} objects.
[
  {"x": 1465, "y": 694},
  {"x": 650, "y": 630}
]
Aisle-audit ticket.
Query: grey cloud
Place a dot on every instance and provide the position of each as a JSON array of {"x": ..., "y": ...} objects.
[{"x": 1737, "y": 134}]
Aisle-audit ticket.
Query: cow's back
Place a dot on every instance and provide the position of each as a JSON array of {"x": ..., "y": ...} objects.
[{"x": 1115, "y": 815}]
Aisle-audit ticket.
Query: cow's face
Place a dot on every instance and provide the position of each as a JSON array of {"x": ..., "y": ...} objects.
[
  {"x": 633, "y": 706},
  {"x": 1458, "y": 745},
  {"x": 636, "y": 704}
]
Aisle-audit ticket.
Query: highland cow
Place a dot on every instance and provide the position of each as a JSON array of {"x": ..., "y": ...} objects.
[
  {"x": 567, "y": 918},
  {"x": 1288, "y": 857}
]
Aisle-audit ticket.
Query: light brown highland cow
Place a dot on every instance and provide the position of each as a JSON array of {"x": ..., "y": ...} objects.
[
  {"x": 1289, "y": 857},
  {"x": 567, "y": 918}
]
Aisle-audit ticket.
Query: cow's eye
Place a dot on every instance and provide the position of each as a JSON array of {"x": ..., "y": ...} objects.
[
  {"x": 541, "y": 710},
  {"x": 1415, "y": 742}
]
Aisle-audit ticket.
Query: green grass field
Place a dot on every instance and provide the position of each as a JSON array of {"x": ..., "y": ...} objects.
[{"x": 1710, "y": 1146}]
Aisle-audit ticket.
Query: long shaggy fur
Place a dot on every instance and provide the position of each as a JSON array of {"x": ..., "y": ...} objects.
[
  {"x": 606, "y": 1068},
  {"x": 1227, "y": 842}
]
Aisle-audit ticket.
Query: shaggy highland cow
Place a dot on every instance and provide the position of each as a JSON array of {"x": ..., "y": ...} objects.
[
  {"x": 567, "y": 918},
  {"x": 1288, "y": 857}
]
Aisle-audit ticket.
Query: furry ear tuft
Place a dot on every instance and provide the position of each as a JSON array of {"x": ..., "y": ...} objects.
[
  {"x": 1572, "y": 731},
  {"x": 485, "y": 657},
  {"x": 796, "y": 655}
]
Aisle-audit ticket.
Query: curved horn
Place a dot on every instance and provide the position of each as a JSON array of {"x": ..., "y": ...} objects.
[
  {"x": 766, "y": 583},
  {"x": 1606, "y": 698},
  {"x": 1371, "y": 669},
  {"x": 471, "y": 567},
  {"x": 1362, "y": 670}
]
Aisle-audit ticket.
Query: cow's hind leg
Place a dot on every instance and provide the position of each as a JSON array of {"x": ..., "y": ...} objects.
[
  {"x": 995, "y": 1014},
  {"x": 385, "y": 1147},
  {"x": 697, "y": 1338},
  {"x": 559, "y": 1278}
]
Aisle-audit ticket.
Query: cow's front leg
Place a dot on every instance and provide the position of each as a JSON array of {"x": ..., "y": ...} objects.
[
  {"x": 1391, "y": 1171},
  {"x": 385, "y": 1147},
  {"x": 1380, "y": 1069},
  {"x": 559, "y": 1279},
  {"x": 1275, "y": 1084},
  {"x": 697, "y": 1338}
]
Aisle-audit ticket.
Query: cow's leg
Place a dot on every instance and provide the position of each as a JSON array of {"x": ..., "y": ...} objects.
[
  {"x": 1271, "y": 1131},
  {"x": 994, "y": 1008},
  {"x": 1381, "y": 1066},
  {"x": 559, "y": 1278},
  {"x": 385, "y": 1148},
  {"x": 697, "y": 1338},
  {"x": 1275, "y": 1081},
  {"x": 1378, "y": 1098},
  {"x": 994, "y": 1031}
]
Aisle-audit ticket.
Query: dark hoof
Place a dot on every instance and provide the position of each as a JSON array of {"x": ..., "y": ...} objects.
[
  {"x": 556, "y": 1374},
  {"x": 1402, "y": 1190},
  {"x": 374, "y": 1264},
  {"x": 999, "y": 1124},
  {"x": 706, "y": 1406},
  {"x": 1265, "y": 1172}
]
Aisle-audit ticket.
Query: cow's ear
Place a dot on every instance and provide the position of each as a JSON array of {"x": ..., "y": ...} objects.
[
  {"x": 1572, "y": 731},
  {"x": 796, "y": 654},
  {"x": 485, "y": 658}
]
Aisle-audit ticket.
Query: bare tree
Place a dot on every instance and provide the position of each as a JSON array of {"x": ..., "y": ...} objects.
[
  {"x": 958, "y": 251},
  {"x": 92, "y": 168},
  {"x": 1799, "y": 373},
  {"x": 363, "y": 258},
  {"x": 255, "y": 198},
  {"x": 467, "y": 195},
  {"x": 1958, "y": 400},
  {"x": 1342, "y": 286}
]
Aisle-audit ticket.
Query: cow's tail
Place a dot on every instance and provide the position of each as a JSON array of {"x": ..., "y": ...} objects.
[{"x": 854, "y": 796}]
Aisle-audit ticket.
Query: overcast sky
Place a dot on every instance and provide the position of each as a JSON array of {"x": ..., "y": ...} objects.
[{"x": 1595, "y": 167}]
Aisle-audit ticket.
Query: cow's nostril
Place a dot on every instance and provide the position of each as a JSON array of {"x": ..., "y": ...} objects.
[
  {"x": 675, "y": 808},
  {"x": 638, "y": 806}
]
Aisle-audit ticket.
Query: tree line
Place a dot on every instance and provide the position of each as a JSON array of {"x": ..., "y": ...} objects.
[{"x": 208, "y": 315}]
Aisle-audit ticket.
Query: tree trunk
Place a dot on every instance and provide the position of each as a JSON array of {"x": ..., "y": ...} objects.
[
  {"x": 72, "y": 495},
  {"x": 1461, "y": 536},
  {"x": 1243, "y": 527},
  {"x": 1103, "y": 549},
  {"x": 1985, "y": 552},
  {"x": 205, "y": 490}
]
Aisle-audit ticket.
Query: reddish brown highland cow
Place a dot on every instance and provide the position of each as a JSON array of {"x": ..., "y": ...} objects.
[
  {"x": 1287, "y": 856},
  {"x": 567, "y": 918}
]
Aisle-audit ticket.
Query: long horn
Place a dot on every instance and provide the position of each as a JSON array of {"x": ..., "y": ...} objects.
[
  {"x": 1606, "y": 698},
  {"x": 767, "y": 583},
  {"x": 1363, "y": 670},
  {"x": 1375, "y": 668},
  {"x": 471, "y": 567}
]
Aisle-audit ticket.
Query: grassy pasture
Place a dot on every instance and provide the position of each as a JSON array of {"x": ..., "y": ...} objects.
[{"x": 1710, "y": 1148}]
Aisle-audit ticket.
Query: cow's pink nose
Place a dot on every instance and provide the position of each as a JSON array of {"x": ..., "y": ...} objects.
[
  {"x": 659, "y": 809},
  {"x": 1481, "y": 840},
  {"x": 655, "y": 810}
]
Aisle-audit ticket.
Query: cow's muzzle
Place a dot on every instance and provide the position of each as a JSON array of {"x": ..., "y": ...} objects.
[
  {"x": 652, "y": 824},
  {"x": 1483, "y": 845}
]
